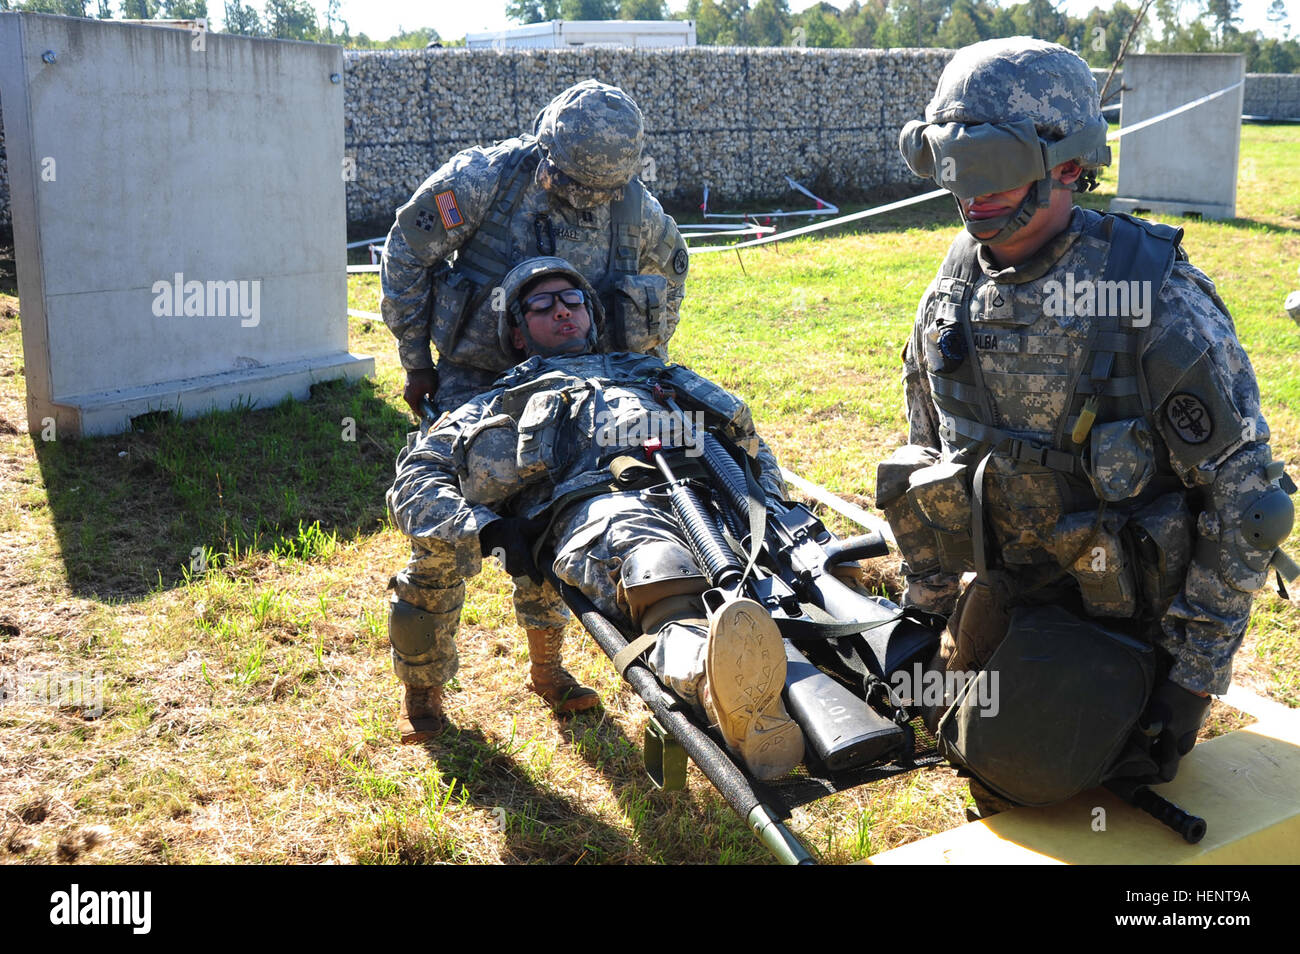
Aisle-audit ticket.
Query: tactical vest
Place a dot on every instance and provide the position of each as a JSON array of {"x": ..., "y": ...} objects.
[
  {"x": 1069, "y": 468},
  {"x": 559, "y": 407},
  {"x": 464, "y": 326}
]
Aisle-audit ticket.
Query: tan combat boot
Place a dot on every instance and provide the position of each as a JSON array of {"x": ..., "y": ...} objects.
[
  {"x": 552, "y": 681},
  {"x": 744, "y": 673},
  {"x": 420, "y": 717}
]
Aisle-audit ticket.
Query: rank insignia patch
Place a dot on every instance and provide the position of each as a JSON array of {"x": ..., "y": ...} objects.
[{"x": 448, "y": 209}]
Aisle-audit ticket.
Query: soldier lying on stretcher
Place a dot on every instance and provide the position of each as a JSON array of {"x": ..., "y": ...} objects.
[{"x": 538, "y": 456}]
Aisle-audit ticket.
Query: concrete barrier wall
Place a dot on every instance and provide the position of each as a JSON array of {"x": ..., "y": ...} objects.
[
  {"x": 737, "y": 118},
  {"x": 169, "y": 260}
]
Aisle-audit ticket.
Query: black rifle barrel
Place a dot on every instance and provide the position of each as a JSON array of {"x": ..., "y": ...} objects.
[
  {"x": 842, "y": 729},
  {"x": 1191, "y": 827},
  {"x": 715, "y": 558},
  {"x": 727, "y": 473}
]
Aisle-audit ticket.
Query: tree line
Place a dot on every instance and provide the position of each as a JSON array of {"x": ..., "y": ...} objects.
[
  {"x": 277, "y": 19},
  {"x": 1170, "y": 26}
]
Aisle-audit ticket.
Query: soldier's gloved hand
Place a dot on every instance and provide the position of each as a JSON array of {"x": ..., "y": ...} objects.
[
  {"x": 1174, "y": 716},
  {"x": 509, "y": 539},
  {"x": 420, "y": 382},
  {"x": 1180, "y": 713}
]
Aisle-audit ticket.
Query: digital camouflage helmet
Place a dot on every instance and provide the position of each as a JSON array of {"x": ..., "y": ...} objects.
[
  {"x": 511, "y": 316},
  {"x": 1005, "y": 113},
  {"x": 592, "y": 135}
]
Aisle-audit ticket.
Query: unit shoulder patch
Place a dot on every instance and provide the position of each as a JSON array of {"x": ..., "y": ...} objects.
[{"x": 1190, "y": 417}]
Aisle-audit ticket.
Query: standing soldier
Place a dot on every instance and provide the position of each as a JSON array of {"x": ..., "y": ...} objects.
[
  {"x": 571, "y": 190},
  {"x": 1085, "y": 435}
]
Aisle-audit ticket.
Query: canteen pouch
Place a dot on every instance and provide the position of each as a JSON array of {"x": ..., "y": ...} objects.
[
  {"x": 1161, "y": 544},
  {"x": 1102, "y": 568},
  {"x": 938, "y": 495},
  {"x": 640, "y": 314},
  {"x": 1053, "y": 710},
  {"x": 914, "y": 538},
  {"x": 1121, "y": 459}
]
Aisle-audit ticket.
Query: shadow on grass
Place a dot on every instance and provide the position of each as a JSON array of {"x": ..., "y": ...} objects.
[
  {"x": 539, "y": 823},
  {"x": 135, "y": 512},
  {"x": 671, "y": 827}
]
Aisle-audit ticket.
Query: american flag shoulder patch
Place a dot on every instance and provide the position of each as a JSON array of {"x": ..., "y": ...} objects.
[{"x": 448, "y": 209}]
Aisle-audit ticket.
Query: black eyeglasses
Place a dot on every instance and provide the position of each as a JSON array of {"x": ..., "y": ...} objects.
[{"x": 545, "y": 301}]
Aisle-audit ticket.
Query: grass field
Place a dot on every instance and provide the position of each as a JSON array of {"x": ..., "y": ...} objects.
[{"x": 226, "y": 579}]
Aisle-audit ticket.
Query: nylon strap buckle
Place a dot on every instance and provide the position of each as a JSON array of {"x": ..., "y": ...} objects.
[{"x": 1027, "y": 452}]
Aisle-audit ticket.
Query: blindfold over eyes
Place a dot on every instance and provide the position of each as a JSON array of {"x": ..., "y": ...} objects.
[{"x": 981, "y": 158}]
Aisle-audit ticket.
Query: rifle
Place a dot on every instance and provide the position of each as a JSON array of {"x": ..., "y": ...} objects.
[
  {"x": 840, "y": 727},
  {"x": 1191, "y": 827}
]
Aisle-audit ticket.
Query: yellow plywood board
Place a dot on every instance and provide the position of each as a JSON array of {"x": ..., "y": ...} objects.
[{"x": 1246, "y": 785}]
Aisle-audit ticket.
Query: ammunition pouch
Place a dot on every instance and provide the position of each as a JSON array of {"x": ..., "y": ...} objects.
[
  {"x": 1054, "y": 709},
  {"x": 914, "y": 539},
  {"x": 1134, "y": 564},
  {"x": 1092, "y": 551},
  {"x": 539, "y": 431},
  {"x": 638, "y": 319},
  {"x": 1160, "y": 537},
  {"x": 928, "y": 507},
  {"x": 453, "y": 292},
  {"x": 939, "y": 496}
]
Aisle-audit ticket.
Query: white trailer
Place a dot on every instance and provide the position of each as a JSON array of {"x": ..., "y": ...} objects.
[{"x": 563, "y": 34}]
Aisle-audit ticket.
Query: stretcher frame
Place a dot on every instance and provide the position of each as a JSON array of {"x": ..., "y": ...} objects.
[{"x": 675, "y": 733}]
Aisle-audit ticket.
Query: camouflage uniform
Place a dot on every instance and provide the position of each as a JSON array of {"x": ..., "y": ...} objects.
[
  {"x": 1141, "y": 521},
  {"x": 1203, "y": 625},
  {"x": 450, "y": 207},
  {"x": 549, "y": 430},
  {"x": 424, "y": 299}
]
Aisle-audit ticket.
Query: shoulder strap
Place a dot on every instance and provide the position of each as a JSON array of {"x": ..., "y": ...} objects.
[
  {"x": 485, "y": 258},
  {"x": 1138, "y": 250},
  {"x": 961, "y": 393},
  {"x": 625, "y": 231}
]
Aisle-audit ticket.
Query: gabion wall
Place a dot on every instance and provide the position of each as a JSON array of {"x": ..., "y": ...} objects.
[
  {"x": 735, "y": 118},
  {"x": 1274, "y": 95}
]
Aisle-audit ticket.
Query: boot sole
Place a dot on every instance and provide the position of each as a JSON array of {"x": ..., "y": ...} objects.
[{"x": 745, "y": 666}]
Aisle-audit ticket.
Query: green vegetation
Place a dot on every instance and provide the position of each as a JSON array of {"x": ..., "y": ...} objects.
[
  {"x": 1171, "y": 26},
  {"x": 226, "y": 576}
]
